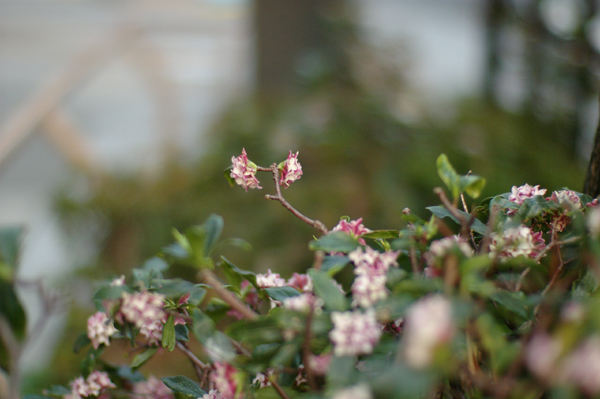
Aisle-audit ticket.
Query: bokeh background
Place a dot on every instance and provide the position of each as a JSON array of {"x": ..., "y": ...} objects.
[{"x": 118, "y": 118}]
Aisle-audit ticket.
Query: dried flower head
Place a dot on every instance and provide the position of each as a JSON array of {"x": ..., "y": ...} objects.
[{"x": 290, "y": 170}]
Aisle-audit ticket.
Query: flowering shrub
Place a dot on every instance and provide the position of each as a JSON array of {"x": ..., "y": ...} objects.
[{"x": 496, "y": 299}]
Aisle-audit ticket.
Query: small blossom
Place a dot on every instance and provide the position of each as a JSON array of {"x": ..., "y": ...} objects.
[
  {"x": 212, "y": 394},
  {"x": 567, "y": 199},
  {"x": 152, "y": 388},
  {"x": 262, "y": 380},
  {"x": 290, "y": 170},
  {"x": 428, "y": 325},
  {"x": 582, "y": 367},
  {"x": 368, "y": 289},
  {"x": 225, "y": 380},
  {"x": 354, "y": 333},
  {"x": 516, "y": 241},
  {"x": 303, "y": 303},
  {"x": 244, "y": 171},
  {"x": 118, "y": 282},
  {"x": 300, "y": 378},
  {"x": 141, "y": 308},
  {"x": 520, "y": 194},
  {"x": 95, "y": 382},
  {"x": 354, "y": 228},
  {"x": 394, "y": 326},
  {"x": 319, "y": 365},
  {"x": 301, "y": 282},
  {"x": 361, "y": 391},
  {"x": 372, "y": 262},
  {"x": 541, "y": 355},
  {"x": 99, "y": 329},
  {"x": 439, "y": 249},
  {"x": 269, "y": 280}
]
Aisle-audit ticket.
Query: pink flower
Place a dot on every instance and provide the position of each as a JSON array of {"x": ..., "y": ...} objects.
[
  {"x": 303, "y": 303},
  {"x": 269, "y": 280},
  {"x": 225, "y": 379},
  {"x": 96, "y": 381},
  {"x": 354, "y": 333},
  {"x": 541, "y": 355},
  {"x": 153, "y": 388},
  {"x": 290, "y": 170},
  {"x": 582, "y": 367},
  {"x": 262, "y": 380},
  {"x": 212, "y": 394},
  {"x": 516, "y": 241},
  {"x": 301, "y": 282},
  {"x": 428, "y": 325},
  {"x": 439, "y": 249},
  {"x": 244, "y": 171},
  {"x": 567, "y": 199},
  {"x": 141, "y": 308},
  {"x": 354, "y": 227},
  {"x": 99, "y": 329},
  {"x": 519, "y": 194},
  {"x": 370, "y": 261},
  {"x": 319, "y": 365},
  {"x": 367, "y": 289}
]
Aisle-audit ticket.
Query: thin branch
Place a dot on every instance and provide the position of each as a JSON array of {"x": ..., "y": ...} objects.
[
  {"x": 209, "y": 278},
  {"x": 465, "y": 226},
  {"x": 412, "y": 252},
  {"x": 197, "y": 362},
  {"x": 278, "y": 197},
  {"x": 278, "y": 388}
]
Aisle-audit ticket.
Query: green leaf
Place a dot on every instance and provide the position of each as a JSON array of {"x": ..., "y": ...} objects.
[
  {"x": 81, "y": 342},
  {"x": 142, "y": 357},
  {"x": 184, "y": 386},
  {"x": 181, "y": 333},
  {"x": 57, "y": 390},
  {"x": 385, "y": 234},
  {"x": 265, "y": 330},
  {"x": 168, "y": 336},
  {"x": 515, "y": 302},
  {"x": 334, "y": 264},
  {"x": 472, "y": 185},
  {"x": 227, "y": 174},
  {"x": 176, "y": 288},
  {"x": 325, "y": 289},
  {"x": 215, "y": 342},
  {"x": 10, "y": 238},
  {"x": 337, "y": 241},
  {"x": 448, "y": 175},
  {"x": 441, "y": 212},
  {"x": 235, "y": 273},
  {"x": 214, "y": 228},
  {"x": 281, "y": 293},
  {"x": 342, "y": 371},
  {"x": 156, "y": 263},
  {"x": 12, "y": 310}
]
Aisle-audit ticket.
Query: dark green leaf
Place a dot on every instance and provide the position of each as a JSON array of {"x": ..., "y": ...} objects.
[
  {"x": 442, "y": 212},
  {"x": 337, "y": 241},
  {"x": 281, "y": 293},
  {"x": 325, "y": 289},
  {"x": 126, "y": 373},
  {"x": 181, "y": 333},
  {"x": 265, "y": 330},
  {"x": 12, "y": 310},
  {"x": 9, "y": 245},
  {"x": 168, "y": 335},
  {"x": 214, "y": 228},
  {"x": 515, "y": 302},
  {"x": 142, "y": 357},
  {"x": 334, "y": 264},
  {"x": 176, "y": 288},
  {"x": 57, "y": 390},
  {"x": 472, "y": 185},
  {"x": 81, "y": 342},
  {"x": 227, "y": 174},
  {"x": 215, "y": 342},
  {"x": 184, "y": 386},
  {"x": 156, "y": 263},
  {"x": 233, "y": 272}
]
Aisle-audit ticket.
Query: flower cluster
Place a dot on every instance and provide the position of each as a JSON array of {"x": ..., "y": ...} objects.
[
  {"x": 99, "y": 329},
  {"x": 152, "y": 388},
  {"x": 520, "y": 194},
  {"x": 428, "y": 325},
  {"x": 91, "y": 386},
  {"x": 354, "y": 228},
  {"x": 516, "y": 241},
  {"x": 354, "y": 333},
  {"x": 212, "y": 394},
  {"x": 440, "y": 249},
  {"x": 290, "y": 170},
  {"x": 244, "y": 171},
  {"x": 145, "y": 311},
  {"x": 304, "y": 303},
  {"x": 370, "y": 268},
  {"x": 226, "y": 380}
]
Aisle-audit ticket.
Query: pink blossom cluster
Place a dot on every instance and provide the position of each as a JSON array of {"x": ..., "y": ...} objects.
[
  {"x": 370, "y": 267},
  {"x": 244, "y": 171},
  {"x": 439, "y": 249},
  {"x": 428, "y": 325},
  {"x": 290, "y": 170},
  {"x": 304, "y": 303},
  {"x": 319, "y": 365},
  {"x": 354, "y": 228},
  {"x": 212, "y": 394},
  {"x": 520, "y": 194},
  {"x": 301, "y": 282},
  {"x": 152, "y": 388},
  {"x": 99, "y": 329},
  {"x": 545, "y": 358},
  {"x": 91, "y": 386},
  {"x": 361, "y": 391},
  {"x": 226, "y": 381},
  {"x": 262, "y": 379},
  {"x": 354, "y": 333},
  {"x": 516, "y": 241},
  {"x": 144, "y": 310}
]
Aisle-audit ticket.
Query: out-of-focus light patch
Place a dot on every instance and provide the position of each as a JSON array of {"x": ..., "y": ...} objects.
[
  {"x": 226, "y": 2},
  {"x": 562, "y": 17},
  {"x": 592, "y": 31}
]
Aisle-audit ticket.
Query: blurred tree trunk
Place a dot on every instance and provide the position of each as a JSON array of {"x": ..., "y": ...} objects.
[
  {"x": 591, "y": 185},
  {"x": 286, "y": 31}
]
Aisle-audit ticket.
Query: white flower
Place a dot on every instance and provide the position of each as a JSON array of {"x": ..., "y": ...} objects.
[
  {"x": 368, "y": 289},
  {"x": 371, "y": 261},
  {"x": 303, "y": 303},
  {"x": 269, "y": 280},
  {"x": 354, "y": 333},
  {"x": 516, "y": 241},
  {"x": 428, "y": 324},
  {"x": 519, "y": 194}
]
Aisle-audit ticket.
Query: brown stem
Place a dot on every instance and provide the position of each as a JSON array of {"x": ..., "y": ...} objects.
[
  {"x": 465, "y": 226},
  {"x": 278, "y": 388},
  {"x": 195, "y": 361},
  {"x": 209, "y": 278},
  {"x": 306, "y": 352},
  {"x": 412, "y": 252},
  {"x": 278, "y": 197}
]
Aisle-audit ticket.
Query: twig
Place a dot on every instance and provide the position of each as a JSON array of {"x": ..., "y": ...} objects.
[
  {"x": 412, "y": 252},
  {"x": 465, "y": 226},
  {"x": 209, "y": 278},
  {"x": 319, "y": 255},
  {"x": 197, "y": 362},
  {"x": 278, "y": 388},
  {"x": 278, "y": 197},
  {"x": 306, "y": 352}
]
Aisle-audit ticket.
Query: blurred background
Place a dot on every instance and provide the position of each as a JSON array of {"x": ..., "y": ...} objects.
[{"x": 118, "y": 118}]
